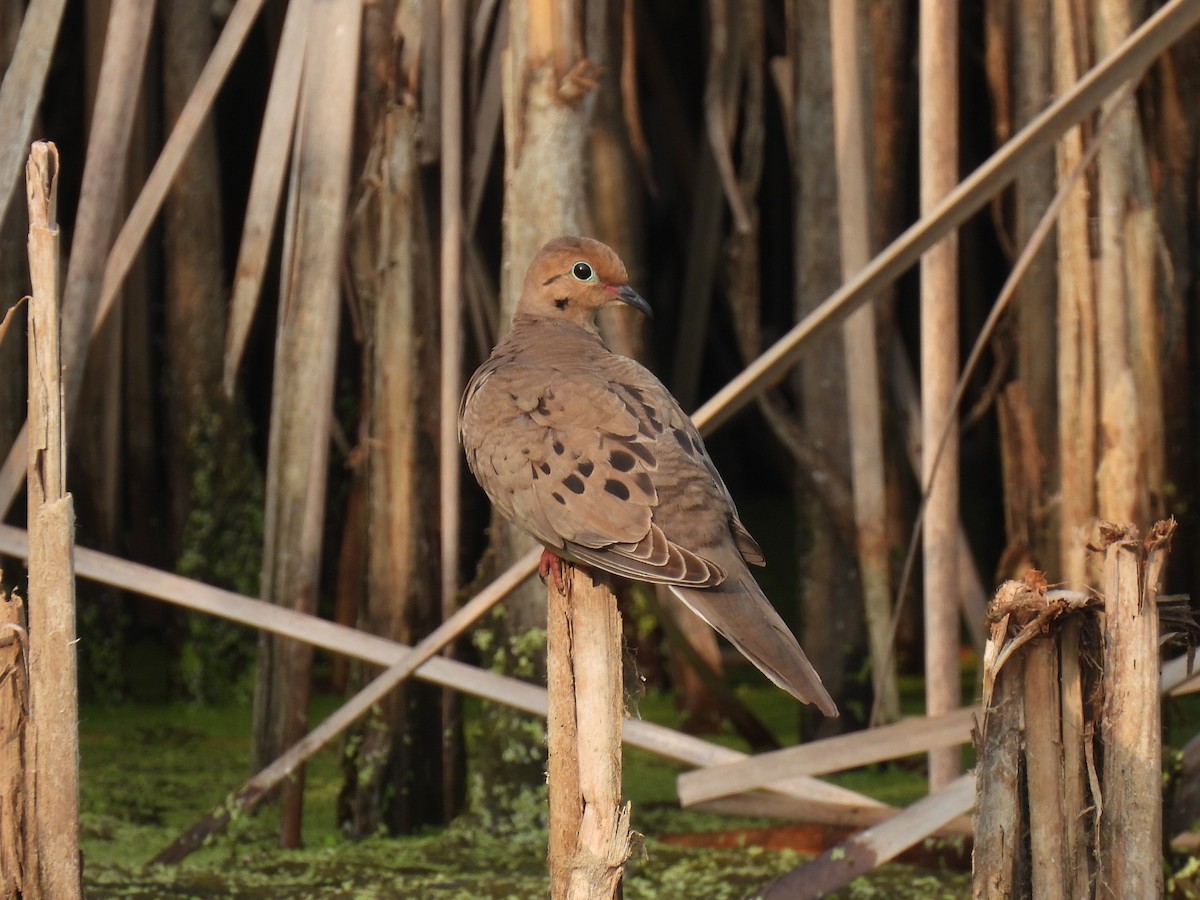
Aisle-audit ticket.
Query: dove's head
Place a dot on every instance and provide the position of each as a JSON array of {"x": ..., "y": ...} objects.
[{"x": 573, "y": 278}]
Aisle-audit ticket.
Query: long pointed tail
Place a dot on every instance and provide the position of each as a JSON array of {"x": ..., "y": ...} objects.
[{"x": 739, "y": 610}]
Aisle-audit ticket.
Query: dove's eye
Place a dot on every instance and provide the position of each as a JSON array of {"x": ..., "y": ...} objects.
[{"x": 582, "y": 271}]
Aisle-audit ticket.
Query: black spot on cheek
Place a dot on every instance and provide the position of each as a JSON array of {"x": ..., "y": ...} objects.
[
  {"x": 573, "y": 483},
  {"x": 561, "y": 303},
  {"x": 617, "y": 488},
  {"x": 621, "y": 460},
  {"x": 585, "y": 468}
]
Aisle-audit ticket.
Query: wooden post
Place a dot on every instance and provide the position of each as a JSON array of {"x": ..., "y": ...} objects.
[
  {"x": 1130, "y": 857},
  {"x": 1051, "y": 819},
  {"x": 52, "y": 739},
  {"x": 589, "y": 828}
]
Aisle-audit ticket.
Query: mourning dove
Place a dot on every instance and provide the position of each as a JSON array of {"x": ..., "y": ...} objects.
[{"x": 588, "y": 452}]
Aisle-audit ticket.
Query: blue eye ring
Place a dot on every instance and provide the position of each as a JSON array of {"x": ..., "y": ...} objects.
[{"x": 581, "y": 271}]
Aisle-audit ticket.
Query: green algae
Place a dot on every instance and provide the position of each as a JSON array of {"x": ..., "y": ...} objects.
[{"x": 150, "y": 771}]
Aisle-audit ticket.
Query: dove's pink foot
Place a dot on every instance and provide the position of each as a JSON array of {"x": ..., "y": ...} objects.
[{"x": 550, "y": 566}]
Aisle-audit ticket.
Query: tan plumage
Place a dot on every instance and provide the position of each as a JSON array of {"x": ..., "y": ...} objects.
[{"x": 589, "y": 452}]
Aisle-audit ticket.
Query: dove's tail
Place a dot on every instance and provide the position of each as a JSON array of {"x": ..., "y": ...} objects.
[{"x": 739, "y": 610}]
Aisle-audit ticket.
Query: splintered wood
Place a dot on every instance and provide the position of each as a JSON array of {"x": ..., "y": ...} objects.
[
  {"x": 589, "y": 827},
  {"x": 1069, "y": 796},
  {"x": 14, "y": 701},
  {"x": 51, "y": 740}
]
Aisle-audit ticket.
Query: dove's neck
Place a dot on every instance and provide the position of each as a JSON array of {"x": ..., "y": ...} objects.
[{"x": 561, "y": 326}]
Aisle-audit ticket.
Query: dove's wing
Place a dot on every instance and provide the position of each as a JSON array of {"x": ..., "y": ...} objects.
[{"x": 574, "y": 458}]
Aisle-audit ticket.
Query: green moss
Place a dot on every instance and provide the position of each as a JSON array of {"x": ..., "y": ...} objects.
[
  {"x": 150, "y": 771},
  {"x": 221, "y": 545},
  {"x": 506, "y": 789}
]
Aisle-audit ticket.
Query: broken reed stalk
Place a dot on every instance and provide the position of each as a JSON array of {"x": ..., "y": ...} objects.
[
  {"x": 1130, "y": 731},
  {"x": 1070, "y": 789},
  {"x": 589, "y": 828},
  {"x": 52, "y": 739},
  {"x": 14, "y": 700}
]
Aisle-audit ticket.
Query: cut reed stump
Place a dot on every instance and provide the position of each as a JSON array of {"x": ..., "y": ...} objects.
[
  {"x": 1069, "y": 800},
  {"x": 590, "y": 839},
  {"x": 14, "y": 700},
  {"x": 52, "y": 737}
]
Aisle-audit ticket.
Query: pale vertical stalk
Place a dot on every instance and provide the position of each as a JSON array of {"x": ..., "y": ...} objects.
[
  {"x": 862, "y": 356},
  {"x": 1117, "y": 474},
  {"x": 938, "y": 37},
  {"x": 449, "y": 459},
  {"x": 1076, "y": 353},
  {"x": 52, "y": 756},
  {"x": 21, "y": 91},
  {"x": 1129, "y": 382}
]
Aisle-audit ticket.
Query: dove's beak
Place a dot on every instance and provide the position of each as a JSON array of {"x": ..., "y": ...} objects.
[{"x": 626, "y": 294}]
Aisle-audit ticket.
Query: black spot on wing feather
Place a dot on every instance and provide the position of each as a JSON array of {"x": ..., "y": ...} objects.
[
  {"x": 645, "y": 483},
  {"x": 573, "y": 483},
  {"x": 585, "y": 468},
  {"x": 617, "y": 488},
  {"x": 649, "y": 427},
  {"x": 644, "y": 452},
  {"x": 621, "y": 460}
]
